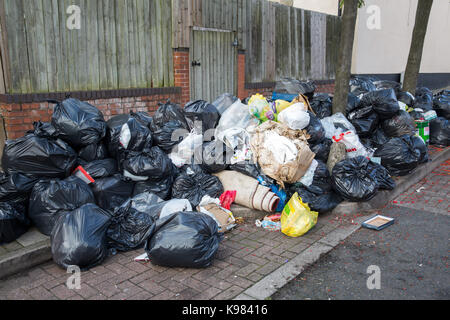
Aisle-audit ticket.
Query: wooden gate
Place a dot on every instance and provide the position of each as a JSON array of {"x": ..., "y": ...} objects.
[{"x": 213, "y": 63}]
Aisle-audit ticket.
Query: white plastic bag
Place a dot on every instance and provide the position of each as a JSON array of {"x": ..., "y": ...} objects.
[
  {"x": 295, "y": 117},
  {"x": 174, "y": 206},
  {"x": 283, "y": 149},
  {"x": 336, "y": 124},
  {"x": 352, "y": 143},
  {"x": 183, "y": 152}
]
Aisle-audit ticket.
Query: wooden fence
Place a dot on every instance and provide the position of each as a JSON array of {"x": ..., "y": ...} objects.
[
  {"x": 121, "y": 44},
  {"x": 285, "y": 41}
]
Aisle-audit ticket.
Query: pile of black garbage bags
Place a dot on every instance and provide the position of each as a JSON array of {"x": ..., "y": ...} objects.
[{"x": 96, "y": 187}]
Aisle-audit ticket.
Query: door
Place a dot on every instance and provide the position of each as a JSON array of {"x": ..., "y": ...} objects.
[{"x": 213, "y": 64}]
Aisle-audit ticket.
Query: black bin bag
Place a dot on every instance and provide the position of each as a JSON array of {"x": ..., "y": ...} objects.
[
  {"x": 184, "y": 240},
  {"x": 214, "y": 156},
  {"x": 99, "y": 169},
  {"x": 382, "y": 175},
  {"x": 320, "y": 195},
  {"x": 201, "y": 114},
  {"x": 322, "y": 149},
  {"x": 354, "y": 181},
  {"x": 78, "y": 123},
  {"x": 399, "y": 155},
  {"x": 384, "y": 102},
  {"x": 420, "y": 145},
  {"x": 79, "y": 238},
  {"x": 322, "y": 105},
  {"x": 315, "y": 129},
  {"x": 442, "y": 104},
  {"x": 131, "y": 223},
  {"x": 52, "y": 198},
  {"x": 365, "y": 121},
  {"x": 152, "y": 164},
  {"x": 39, "y": 157},
  {"x": 112, "y": 192},
  {"x": 378, "y": 138},
  {"x": 13, "y": 222},
  {"x": 93, "y": 152},
  {"x": 169, "y": 126},
  {"x": 293, "y": 86},
  {"x": 399, "y": 125},
  {"x": 352, "y": 103},
  {"x": 193, "y": 184},
  {"x": 162, "y": 188},
  {"x": 126, "y": 133},
  {"x": 223, "y": 102},
  {"x": 440, "y": 132},
  {"x": 424, "y": 99},
  {"x": 45, "y": 130},
  {"x": 406, "y": 97},
  {"x": 361, "y": 85}
]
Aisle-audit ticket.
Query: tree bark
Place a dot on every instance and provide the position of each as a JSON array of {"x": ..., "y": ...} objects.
[
  {"x": 344, "y": 63},
  {"x": 416, "y": 51}
]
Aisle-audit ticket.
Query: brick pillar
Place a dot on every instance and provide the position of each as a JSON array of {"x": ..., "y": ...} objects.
[
  {"x": 181, "y": 69},
  {"x": 242, "y": 92}
]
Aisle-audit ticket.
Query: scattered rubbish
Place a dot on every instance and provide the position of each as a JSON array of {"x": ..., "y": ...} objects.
[
  {"x": 268, "y": 225},
  {"x": 142, "y": 258}
]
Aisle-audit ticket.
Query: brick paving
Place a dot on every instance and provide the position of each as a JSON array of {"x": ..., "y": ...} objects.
[{"x": 246, "y": 256}]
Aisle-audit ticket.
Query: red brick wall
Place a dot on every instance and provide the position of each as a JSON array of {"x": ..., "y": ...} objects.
[
  {"x": 325, "y": 88},
  {"x": 181, "y": 69},
  {"x": 19, "y": 118}
]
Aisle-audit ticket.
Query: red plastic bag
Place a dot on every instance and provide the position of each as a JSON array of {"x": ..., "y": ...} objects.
[{"x": 227, "y": 199}]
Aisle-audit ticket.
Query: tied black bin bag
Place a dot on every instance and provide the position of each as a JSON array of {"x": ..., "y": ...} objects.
[
  {"x": 205, "y": 114},
  {"x": 131, "y": 223},
  {"x": 152, "y": 163},
  {"x": 361, "y": 85},
  {"x": 99, "y": 169},
  {"x": 399, "y": 125},
  {"x": 50, "y": 199},
  {"x": 319, "y": 195},
  {"x": 442, "y": 104},
  {"x": 169, "y": 126},
  {"x": 45, "y": 130},
  {"x": 399, "y": 155},
  {"x": 365, "y": 121},
  {"x": 126, "y": 133},
  {"x": 424, "y": 99},
  {"x": 79, "y": 238},
  {"x": 384, "y": 102},
  {"x": 112, "y": 192},
  {"x": 40, "y": 157},
  {"x": 78, "y": 123},
  {"x": 353, "y": 179},
  {"x": 378, "y": 138},
  {"x": 184, "y": 240},
  {"x": 322, "y": 105},
  {"x": 420, "y": 145},
  {"x": 440, "y": 132},
  {"x": 193, "y": 184}
]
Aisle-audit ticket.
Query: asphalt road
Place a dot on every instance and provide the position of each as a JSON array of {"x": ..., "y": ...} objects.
[{"x": 412, "y": 256}]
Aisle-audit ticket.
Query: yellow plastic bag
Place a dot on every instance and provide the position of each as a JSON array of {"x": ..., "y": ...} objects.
[
  {"x": 261, "y": 109},
  {"x": 297, "y": 218},
  {"x": 281, "y": 105}
]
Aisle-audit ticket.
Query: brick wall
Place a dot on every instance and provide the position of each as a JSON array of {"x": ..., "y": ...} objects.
[
  {"x": 325, "y": 88},
  {"x": 181, "y": 68},
  {"x": 19, "y": 118}
]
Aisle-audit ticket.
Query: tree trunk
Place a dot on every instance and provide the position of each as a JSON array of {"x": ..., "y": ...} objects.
[
  {"x": 418, "y": 39},
  {"x": 344, "y": 63}
]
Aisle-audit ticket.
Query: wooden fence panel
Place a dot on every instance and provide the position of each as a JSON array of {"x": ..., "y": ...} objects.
[{"x": 121, "y": 44}]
